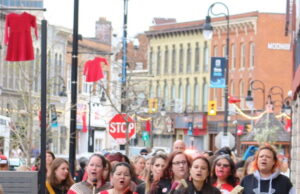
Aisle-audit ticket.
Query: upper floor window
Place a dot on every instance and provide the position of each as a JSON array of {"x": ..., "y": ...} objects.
[
  {"x": 233, "y": 56},
  {"x": 224, "y": 51},
  {"x": 158, "y": 61},
  {"x": 206, "y": 57},
  {"x": 180, "y": 59},
  {"x": 151, "y": 61},
  {"x": 215, "y": 51},
  {"x": 196, "y": 96},
  {"x": 166, "y": 66},
  {"x": 243, "y": 55},
  {"x": 197, "y": 58},
  {"x": 188, "y": 93},
  {"x": 189, "y": 59},
  {"x": 173, "y": 59},
  {"x": 252, "y": 49}
]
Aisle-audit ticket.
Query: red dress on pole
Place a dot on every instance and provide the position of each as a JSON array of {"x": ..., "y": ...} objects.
[
  {"x": 93, "y": 69},
  {"x": 18, "y": 36}
]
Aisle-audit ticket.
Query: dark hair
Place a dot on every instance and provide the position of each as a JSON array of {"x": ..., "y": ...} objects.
[
  {"x": 149, "y": 176},
  {"x": 130, "y": 168},
  {"x": 223, "y": 151},
  {"x": 99, "y": 156},
  {"x": 108, "y": 165},
  {"x": 51, "y": 153},
  {"x": 65, "y": 184},
  {"x": 231, "y": 179},
  {"x": 168, "y": 170}
]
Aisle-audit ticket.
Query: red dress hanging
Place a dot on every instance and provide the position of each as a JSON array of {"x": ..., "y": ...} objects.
[
  {"x": 93, "y": 69},
  {"x": 18, "y": 36}
]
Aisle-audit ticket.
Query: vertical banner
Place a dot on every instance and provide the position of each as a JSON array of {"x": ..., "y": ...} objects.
[{"x": 217, "y": 72}]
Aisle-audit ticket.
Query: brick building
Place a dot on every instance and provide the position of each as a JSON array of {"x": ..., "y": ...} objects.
[{"x": 258, "y": 50}]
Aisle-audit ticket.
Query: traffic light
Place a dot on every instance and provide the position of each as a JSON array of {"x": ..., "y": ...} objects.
[
  {"x": 212, "y": 107},
  {"x": 152, "y": 105}
]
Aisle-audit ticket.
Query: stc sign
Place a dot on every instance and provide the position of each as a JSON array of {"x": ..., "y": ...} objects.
[{"x": 117, "y": 127}]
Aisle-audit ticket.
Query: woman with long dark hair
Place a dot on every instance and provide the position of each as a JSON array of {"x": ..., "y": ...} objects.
[
  {"x": 176, "y": 170},
  {"x": 223, "y": 174},
  {"x": 199, "y": 181},
  {"x": 59, "y": 180},
  {"x": 157, "y": 166}
]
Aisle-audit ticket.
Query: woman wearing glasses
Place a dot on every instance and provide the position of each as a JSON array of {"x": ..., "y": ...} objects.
[
  {"x": 223, "y": 174},
  {"x": 176, "y": 170},
  {"x": 157, "y": 166}
]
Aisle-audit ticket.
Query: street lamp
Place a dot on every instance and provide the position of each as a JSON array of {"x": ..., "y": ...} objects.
[
  {"x": 207, "y": 33},
  {"x": 254, "y": 86}
]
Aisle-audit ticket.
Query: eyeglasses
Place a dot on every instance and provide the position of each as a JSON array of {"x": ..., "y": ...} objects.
[
  {"x": 178, "y": 163},
  {"x": 144, "y": 154},
  {"x": 222, "y": 165}
]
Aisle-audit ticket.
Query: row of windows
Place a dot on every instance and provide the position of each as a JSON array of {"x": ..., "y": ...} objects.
[
  {"x": 181, "y": 59},
  {"x": 242, "y": 54},
  {"x": 184, "y": 94}
]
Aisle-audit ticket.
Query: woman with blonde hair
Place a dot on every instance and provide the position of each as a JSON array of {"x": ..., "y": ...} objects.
[
  {"x": 59, "y": 179},
  {"x": 139, "y": 163},
  {"x": 266, "y": 177}
]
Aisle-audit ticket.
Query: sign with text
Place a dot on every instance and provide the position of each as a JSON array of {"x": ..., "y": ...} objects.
[
  {"x": 118, "y": 125},
  {"x": 217, "y": 72}
]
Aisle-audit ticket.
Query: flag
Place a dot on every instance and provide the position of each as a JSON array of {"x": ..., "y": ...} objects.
[
  {"x": 84, "y": 127},
  {"x": 288, "y": 125},
  {"x": 148, "y": 126},
  {"x": 240, "y": 130}
]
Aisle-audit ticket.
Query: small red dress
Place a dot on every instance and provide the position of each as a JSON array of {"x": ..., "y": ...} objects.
[
  {"x": 93, "y": 69},
  {"x": 18, "y": 36}
]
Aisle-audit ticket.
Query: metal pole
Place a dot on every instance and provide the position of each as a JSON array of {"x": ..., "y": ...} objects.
[
  {"x": 124, "y": 63},
  {"x": 72, "y": 145},
  {"x": 90, "y": 136},
  {"x": 42, "y": 169},
  {"x": 226, "y": 78}
]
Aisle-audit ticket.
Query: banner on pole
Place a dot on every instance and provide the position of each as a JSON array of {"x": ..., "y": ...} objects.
[{"x": 217, "y": 72}]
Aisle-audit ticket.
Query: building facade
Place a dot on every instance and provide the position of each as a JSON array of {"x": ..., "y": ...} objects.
[
  {"x": 259, "y": 51},
  {"x": 178, "y": 60}
]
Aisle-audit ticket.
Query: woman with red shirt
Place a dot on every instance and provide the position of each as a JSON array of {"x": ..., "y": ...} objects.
[{"x": 223, "y": 174}]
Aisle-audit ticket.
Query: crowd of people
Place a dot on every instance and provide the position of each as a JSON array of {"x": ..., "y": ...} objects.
[{"x": 259, "y": 171}]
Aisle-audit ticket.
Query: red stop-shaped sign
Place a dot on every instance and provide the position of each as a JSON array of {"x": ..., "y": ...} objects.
[{"x": 117, "y": 127}]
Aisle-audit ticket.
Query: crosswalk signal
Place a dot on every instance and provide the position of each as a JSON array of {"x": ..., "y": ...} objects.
[{"x": 212, "y": 107}]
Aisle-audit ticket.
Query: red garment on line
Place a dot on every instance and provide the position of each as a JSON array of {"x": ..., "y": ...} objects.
[
  {"x": 93, "y": 69},
  {"x": 17, "y": 36}
]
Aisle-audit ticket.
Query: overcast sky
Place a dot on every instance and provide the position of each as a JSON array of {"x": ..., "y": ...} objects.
[{"x": 141, "y": 12}]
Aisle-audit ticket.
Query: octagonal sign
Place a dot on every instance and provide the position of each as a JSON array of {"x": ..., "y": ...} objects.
[{"x": 117, "y": 127}]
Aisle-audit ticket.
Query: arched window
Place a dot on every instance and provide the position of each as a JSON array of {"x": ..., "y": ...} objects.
[
  {"x": 233, "y": 56},
  {"x": 151, "y": 61},
  {"x": 196, "y": 96},
  {"x": 242, "y": 93},
  {"x": 158, "y": 61},
  {"x": 189, "y": 59},
  {"x": 166, "y": 65},
  {"x": 187, "y": 93},
  {"x": 166, "y": 93},
  {"x": 243, "y": 55},
  {"x": 173, "y": 59},
  {"x": 251, "y": 55},
  {"x": 158, "y": 90},
  {"x": 197, "y": 58},
  {"x": 206, "y": 57},
  {"x": 181, "y": 59},
  {"x": 204, "y": 95}
]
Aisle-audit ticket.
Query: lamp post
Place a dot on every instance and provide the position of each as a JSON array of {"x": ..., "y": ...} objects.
[
  {"x": 254, "y": 86},
  {"x": 207, "y": 33}
]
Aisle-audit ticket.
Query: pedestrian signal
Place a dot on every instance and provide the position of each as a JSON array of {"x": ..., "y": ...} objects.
[{"x": 212, "y": 107}]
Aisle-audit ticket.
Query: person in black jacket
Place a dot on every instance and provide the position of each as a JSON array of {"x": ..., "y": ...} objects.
[
  {"x": 199, "y": 181},
  {"x": 266, "y": 177}
]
